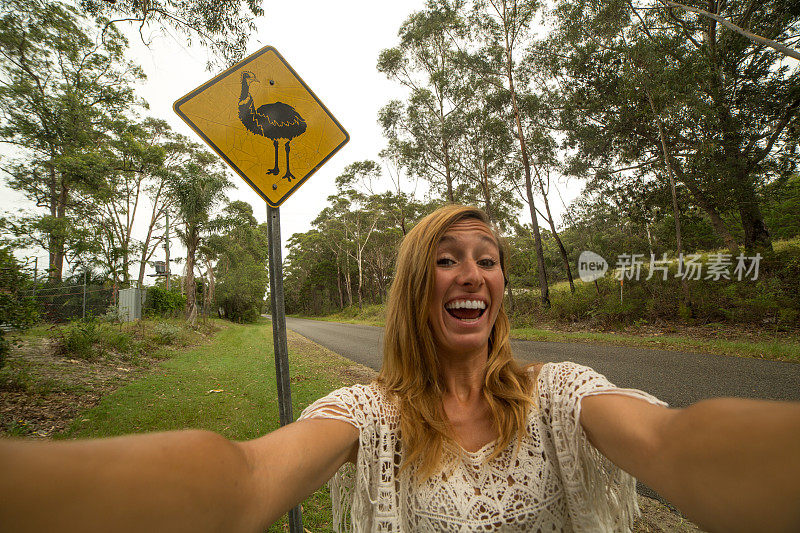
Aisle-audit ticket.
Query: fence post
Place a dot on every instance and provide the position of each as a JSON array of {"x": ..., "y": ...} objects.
[
  {"x": 84, "y": 294},
  {"x": 35, "y": 274}
]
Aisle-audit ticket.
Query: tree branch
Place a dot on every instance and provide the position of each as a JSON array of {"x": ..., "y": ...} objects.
[{"x": 741, "y": 31}]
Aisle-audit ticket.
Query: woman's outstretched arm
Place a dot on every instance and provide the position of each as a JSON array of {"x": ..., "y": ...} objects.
[
  {"x": 728, "y": 464},
  {"x": 176, "y": 481}
]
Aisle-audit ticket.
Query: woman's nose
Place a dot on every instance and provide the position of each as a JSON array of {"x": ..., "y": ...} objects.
[{"x": 469, "y": 273}]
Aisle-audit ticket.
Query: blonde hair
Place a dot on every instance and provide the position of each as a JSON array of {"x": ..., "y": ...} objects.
[{"x": 410, "y": 372}]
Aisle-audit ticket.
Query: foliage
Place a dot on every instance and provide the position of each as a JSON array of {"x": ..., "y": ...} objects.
[
  {"x": 17, "y": 310},
  {"x": 221, "y": 25},
  {"x": 242, "y": 276},
  {"x": 639, "y": 81},
  {"x": 166, "y": 333},
  {"x": 162, "y": 302},
  {"x": 61, "y": 92},
  {"x": 78, "y": 339}
]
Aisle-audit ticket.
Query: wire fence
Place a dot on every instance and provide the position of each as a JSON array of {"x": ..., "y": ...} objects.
[{"x": 68, "y": 301}]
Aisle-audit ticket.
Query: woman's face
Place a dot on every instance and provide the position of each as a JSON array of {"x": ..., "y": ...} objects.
[{"x": 468, "y": 289}]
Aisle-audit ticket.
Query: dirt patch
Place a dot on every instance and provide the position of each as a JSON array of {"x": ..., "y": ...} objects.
[
  {"x": 658, "y": 518},
  {"x": 42, "y": 391}
]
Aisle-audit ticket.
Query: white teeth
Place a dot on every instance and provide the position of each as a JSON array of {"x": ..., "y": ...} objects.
[{"x": 466, "y": 304}]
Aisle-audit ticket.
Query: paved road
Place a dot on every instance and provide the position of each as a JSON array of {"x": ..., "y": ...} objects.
[{"x": 679, "y": 379}]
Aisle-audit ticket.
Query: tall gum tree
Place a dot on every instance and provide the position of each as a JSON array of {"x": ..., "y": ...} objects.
[
  {"x": 502, "y": 29},
  {"x": 734, "y": 108},
  {"x": 425, "y": 63},
  {"x": 59, "y": 90}
]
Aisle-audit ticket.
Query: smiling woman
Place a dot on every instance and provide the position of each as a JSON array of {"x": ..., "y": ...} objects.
[{"x": 453, "y": 436}]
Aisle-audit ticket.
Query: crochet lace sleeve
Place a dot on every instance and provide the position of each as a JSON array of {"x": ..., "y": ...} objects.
[
  {"x": 600, "y": 495},
  {"x": 341, "y": 404},
  {"x": 353, "y": 487}
]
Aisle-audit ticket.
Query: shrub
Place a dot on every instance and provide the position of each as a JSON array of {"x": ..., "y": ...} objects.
[
  {"x": 166, "y": 333},
  {"x": 117, "y": 340},
  {"x": 16, "y": 310},
  {"x": 79, "y": 337},
  {"x": 162, "y": 302}
]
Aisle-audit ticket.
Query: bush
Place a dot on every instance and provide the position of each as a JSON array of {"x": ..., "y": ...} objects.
[
  {"x": 17, "y": 311},
  {"x": 78, "y": 339},
  {"x": 162, "y": 302},
  {"x": 166, "y": 333}
]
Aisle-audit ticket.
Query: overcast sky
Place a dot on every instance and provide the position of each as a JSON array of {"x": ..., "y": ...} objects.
[{"x": 333, "y": 46}]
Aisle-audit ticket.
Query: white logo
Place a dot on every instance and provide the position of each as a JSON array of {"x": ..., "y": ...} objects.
[{"x": 591, "y": 266}]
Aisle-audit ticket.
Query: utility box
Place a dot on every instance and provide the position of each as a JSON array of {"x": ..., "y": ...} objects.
[{"x": 130, "y": 304}]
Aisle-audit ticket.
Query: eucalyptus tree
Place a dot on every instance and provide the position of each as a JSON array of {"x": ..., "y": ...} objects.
[
  {"x": 309, "y": 274},
  {"x": 424, "y": 62},
  {"x": 502, "y": 29},
  {"x": 223, "y": 26},
  {"x": 137, "y": 163},
  {"x": 175, "y": 148},
  {"x": 486, "y": 162},
  {"x": 198, "y": 188},
  {"x": 727, "y": 107},
  {"x": 238, "y": 279},
  {"x": 60, "y": 89},
  {"x": 356, "y": 212}
]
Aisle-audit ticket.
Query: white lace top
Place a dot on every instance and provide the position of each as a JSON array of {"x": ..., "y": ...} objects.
[{"x": 551, "y": 480}]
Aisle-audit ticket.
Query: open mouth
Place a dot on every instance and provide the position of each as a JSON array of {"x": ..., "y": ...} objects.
[{"x": 466, "y": 310}]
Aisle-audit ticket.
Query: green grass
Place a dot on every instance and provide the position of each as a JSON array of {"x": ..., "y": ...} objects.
[
  {"x": 774, "y": 349},
  {"x": 239, "y": 363},
  {"x": 370, "y": 315}
]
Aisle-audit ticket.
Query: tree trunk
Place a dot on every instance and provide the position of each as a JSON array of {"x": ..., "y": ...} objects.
[
  {"x": 487, "y": 196},
  {"x": 339, "y": 282},
  {"x": 676, "y": 211},
  {"x": 360, "y": 276},
  {"x": 447, "y": 175},
  {"x": 209, "y": 296},
  {"x": 716, "y": 220},
  {"x": 191, "y": 289},
  {"x": 561, "y": 249},
  {"x": 57, "y": 241},
  {"x": 545, "y": 292},
  {"x": 756, "y": 236},
  {"x": 348, "y": 285}
]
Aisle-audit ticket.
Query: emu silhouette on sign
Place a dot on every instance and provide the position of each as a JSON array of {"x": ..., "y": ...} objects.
[{"x": 275, "y": 121}]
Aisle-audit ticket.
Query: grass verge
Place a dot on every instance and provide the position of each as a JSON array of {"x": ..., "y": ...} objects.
[
  {"x": 227, "y": 386},
  {"x": 369, "y": 315},
  {"x": 778, "y": 350}
]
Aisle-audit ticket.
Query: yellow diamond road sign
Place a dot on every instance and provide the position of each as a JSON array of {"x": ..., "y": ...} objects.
[{"x": 265, "y": 122}]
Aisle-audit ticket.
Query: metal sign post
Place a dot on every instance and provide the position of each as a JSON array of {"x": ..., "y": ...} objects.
[
  {"x": 278, "y": 314},
  {"x": 270, "y": 127}
]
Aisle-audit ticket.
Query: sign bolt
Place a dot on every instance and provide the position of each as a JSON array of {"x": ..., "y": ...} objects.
[{"x": 274, "y": 186}]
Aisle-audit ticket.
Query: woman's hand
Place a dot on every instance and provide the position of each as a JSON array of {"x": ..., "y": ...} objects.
[
  {"x": 728, "y": 464},
  {"x": 176, "y": 481}
]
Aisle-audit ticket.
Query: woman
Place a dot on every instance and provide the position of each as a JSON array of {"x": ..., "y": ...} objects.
[{"x": 453, "y": 436}]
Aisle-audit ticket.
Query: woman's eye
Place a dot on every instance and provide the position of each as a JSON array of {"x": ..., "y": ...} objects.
[
  {"x": 487, "y": 263},
  {"x": 445, "y": 261}
]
